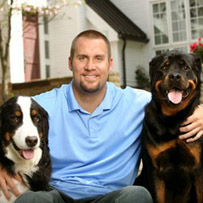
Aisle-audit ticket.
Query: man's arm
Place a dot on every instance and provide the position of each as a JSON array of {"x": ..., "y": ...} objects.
[
  {"x": 193, "y": 127},
  {"x": 7, "y": 185}
]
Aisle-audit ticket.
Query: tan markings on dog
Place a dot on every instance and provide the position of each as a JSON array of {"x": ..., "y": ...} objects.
[
  {"x": 160, "y": 190},
  {"x": 33, "y": 112},
  {"x": 196, "y": 152},
  {"x": 157, "y": 84},
  {"x": 18, "y": 113},
  {"x": 40, "y": 135},
  {"x": 172, "y": 110},
  {"x": 167, "y": 63},
  {"x": 198, "y": 188},
  {"x": 181, "y": 62},
  {"x": 154, "y": 151},
  {"x": 8, "y": 136}
]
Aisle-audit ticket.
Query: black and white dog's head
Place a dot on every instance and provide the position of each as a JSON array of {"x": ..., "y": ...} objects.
[{"x": 23, "y": 129}]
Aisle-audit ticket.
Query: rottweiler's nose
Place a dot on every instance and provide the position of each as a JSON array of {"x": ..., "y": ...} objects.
[
  {"x": 175, "y": 77},
  {"x": 31, "y": 141}
]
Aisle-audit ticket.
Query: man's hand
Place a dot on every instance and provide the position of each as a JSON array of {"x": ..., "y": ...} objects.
[
  {"x": 7, "y": 185},
  {"x": 192, "y": 128}
]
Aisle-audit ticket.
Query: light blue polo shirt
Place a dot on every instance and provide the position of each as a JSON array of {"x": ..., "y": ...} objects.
[{"x": 93, "y": 154}]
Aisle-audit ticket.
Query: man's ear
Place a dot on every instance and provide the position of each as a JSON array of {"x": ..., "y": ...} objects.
[
  {"x": 70, "y": 63},
  {"x": 110, "y": 64}
]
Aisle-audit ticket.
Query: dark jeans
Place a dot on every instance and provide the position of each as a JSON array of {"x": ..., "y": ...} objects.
[{"x": 130, "y": 194}]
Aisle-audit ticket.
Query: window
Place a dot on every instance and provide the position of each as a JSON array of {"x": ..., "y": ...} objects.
[
  {"x": 196, "y": 18},
  {"x": 47, "y": 71},
  {"x": 160, "y": 23},
  {"x": 46, "y": 49},
  {"x": 178, "y": 20},
  {"x": 176, "y": 24},
  {"x": 46, "y": 27}
]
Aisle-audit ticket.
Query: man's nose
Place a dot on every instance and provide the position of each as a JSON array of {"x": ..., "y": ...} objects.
[{"x": 90, "y": 65}]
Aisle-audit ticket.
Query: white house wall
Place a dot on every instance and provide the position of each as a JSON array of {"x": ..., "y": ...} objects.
[
  {"x": 63, "y": 30},
  {"x": 65, "y": 27},
  {"x": 135, "y": 57},
  {"x": 137, "y": 54}
]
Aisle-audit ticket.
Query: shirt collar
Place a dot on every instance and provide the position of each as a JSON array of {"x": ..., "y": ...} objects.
[{"x": 105, "y": 104}]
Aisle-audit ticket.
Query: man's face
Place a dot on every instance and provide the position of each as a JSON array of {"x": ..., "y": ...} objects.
[{"x": 90, "y": 65}]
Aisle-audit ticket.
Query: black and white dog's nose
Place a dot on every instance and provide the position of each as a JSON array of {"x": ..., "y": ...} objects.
[{"x": 31, "y": 141}]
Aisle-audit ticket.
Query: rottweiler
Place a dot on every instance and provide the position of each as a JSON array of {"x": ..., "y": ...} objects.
[{"x": 172, "y": 168}]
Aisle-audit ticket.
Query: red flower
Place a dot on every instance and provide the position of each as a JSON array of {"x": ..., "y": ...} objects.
[
  {"x": 197, "y": 48},
  {"x": 193, "y": 47}
]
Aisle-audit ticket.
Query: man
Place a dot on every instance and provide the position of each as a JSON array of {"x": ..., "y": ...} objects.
[{"x": 94, "y": 131}]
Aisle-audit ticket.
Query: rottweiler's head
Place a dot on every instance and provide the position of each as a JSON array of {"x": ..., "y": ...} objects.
[{"x": 175, "y": 80}]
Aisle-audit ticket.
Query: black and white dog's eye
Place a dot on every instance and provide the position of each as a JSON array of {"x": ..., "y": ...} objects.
[
  {"x": 35, "y": 119},
  {"x": 15, "y": 119}
]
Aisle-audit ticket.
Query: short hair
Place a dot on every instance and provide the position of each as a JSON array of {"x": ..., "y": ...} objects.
[{"x": 90, "y": 34}]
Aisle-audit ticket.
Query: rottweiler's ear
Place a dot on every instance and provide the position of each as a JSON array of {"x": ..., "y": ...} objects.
[
  {"x": 154, "y": 65},
  {"x": 197, "y": 64},
  {"x": 0, "y": 121}
]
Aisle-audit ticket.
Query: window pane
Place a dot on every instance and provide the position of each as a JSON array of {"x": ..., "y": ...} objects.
[
  {"x": 174, "y": 16},
  {"x": 175, "y": 37},
  {"x": 174, "y": 5},
  {"x": 193, "y": 13},
  {"x": 165, "y": 39},
  {"x": 46, "y": 31},
  {"x": 175, "y": 26},
  {"x": 155, "y": 8},
  {"x": 192, "y": 3},
  {"x": 182, "y": 25},
  {"x": 200, "y": 2},
  {"x": 194, "y": 24},
  {"x": 163, "y": 7},
  {"x": 156, "y": 30},
  {"x": 200, "y": 11},
  {"x": 47, "y": 71},
  {"x": 160, "y": 23},
  {"x": 178, "y": 20},
  {"x": 47, "y": 49},
  {"x": 157, "y": 39},
  {"x": 182, "y": 36},
  {"x": 196, "y": 15},
  {"x": 194, "y": 34},
  {"x": 201, "y": 33}
]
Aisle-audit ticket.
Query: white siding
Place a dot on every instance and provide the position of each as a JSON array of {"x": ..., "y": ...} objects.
[{"x": 62, "y": 29}]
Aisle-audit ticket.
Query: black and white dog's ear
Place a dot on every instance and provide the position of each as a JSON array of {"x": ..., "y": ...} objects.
[
  {"x": 0, "y": 120},
  {"x": 44, "y": 121},
  {"x": 45, "y": 124}
]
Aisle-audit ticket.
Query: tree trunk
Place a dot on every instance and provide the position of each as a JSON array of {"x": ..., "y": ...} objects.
[
  {"x": 5, "y": 80},
  {"x": 4, "y": 55}
]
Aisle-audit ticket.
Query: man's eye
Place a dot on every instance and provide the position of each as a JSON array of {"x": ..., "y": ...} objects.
[
  {"x": 82, "y": 58},
  {"x": 99, "y": 58}
]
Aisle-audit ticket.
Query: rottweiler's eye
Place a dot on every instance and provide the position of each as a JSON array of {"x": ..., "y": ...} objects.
[
  {"x": 165, "y": 67},
  {"x": 185, "y": 67}
]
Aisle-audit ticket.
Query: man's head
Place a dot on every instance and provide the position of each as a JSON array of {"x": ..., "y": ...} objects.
[
  {"x": 90, "y": 34},
  {"x": 90, "y": 60}
]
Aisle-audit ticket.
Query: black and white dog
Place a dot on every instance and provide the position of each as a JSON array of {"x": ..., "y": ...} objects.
[{"x": 24, "y": 144}]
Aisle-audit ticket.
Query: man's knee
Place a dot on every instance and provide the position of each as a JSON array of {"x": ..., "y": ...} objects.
[
  {"x": 135, "y": 194},
  {"x": 40, "y": 197}
]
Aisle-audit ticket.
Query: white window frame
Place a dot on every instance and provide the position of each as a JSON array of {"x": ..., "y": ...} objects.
[{"x": 172, "y": 45}]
